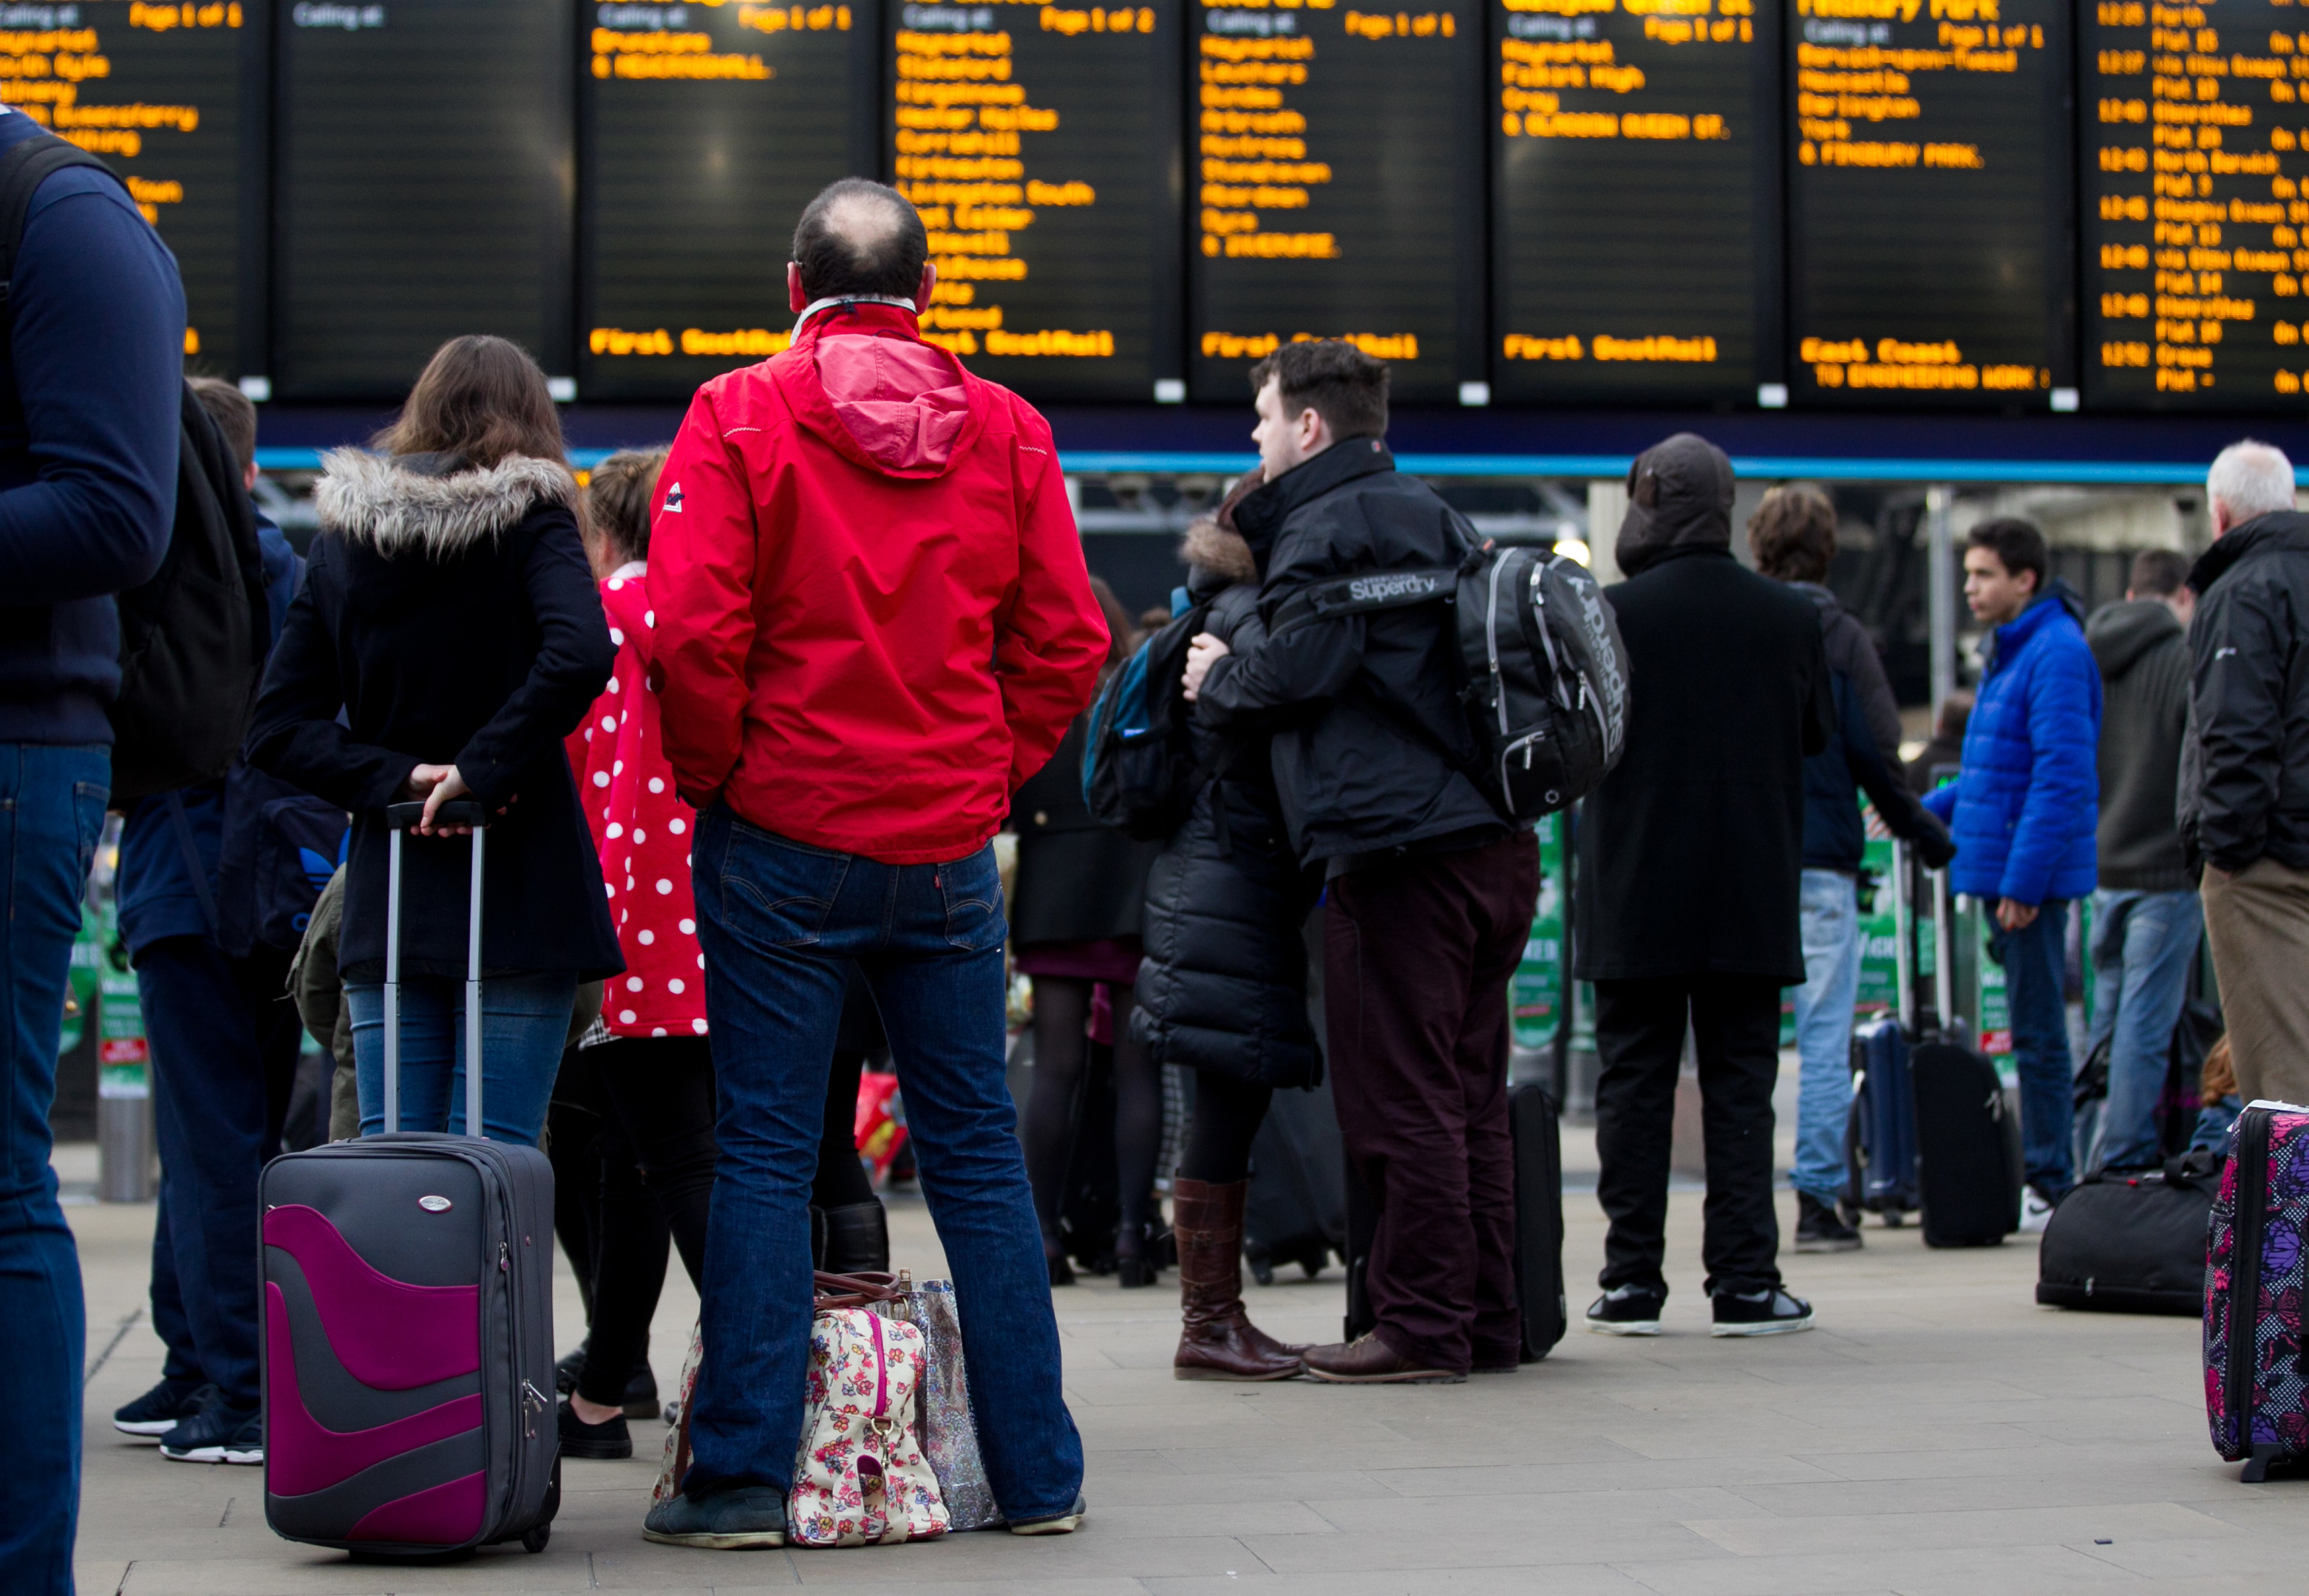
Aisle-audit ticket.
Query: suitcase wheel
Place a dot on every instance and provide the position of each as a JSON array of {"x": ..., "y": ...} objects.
[
  {"x": 1894, "y": 1219},
  {"x": 1262, "y": 1269},
  {"x": 534, "y": 1541}
]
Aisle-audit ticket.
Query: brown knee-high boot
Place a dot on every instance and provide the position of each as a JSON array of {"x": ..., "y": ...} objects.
[{"x": 1217, "y": 1340}]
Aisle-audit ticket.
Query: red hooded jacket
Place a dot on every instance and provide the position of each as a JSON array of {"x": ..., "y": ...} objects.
[{"x": 872, "y": 618}]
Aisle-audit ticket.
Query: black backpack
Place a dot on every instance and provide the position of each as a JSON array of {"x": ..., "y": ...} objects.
[
  {"x": 1543, "y": 673},
  {"x": 1139, "y": 773},
  {"x": 193, "y": 638}
]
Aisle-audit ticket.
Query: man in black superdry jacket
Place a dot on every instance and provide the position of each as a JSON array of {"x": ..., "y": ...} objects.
[
  {"x": 1430, "y": 889},
  {"x": 2244, "y": 766}
]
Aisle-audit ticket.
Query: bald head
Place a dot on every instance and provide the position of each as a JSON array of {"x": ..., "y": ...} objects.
[
  {"x": 2249, "y": 480},
  {"x": 858, "y": 237}
]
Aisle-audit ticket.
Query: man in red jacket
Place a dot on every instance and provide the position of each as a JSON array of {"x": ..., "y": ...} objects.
[{"x": 873, "y": 622}]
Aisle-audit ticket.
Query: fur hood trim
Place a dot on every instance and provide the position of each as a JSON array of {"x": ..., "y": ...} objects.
[
  {"x": 379, "y": 501},
  {"x": 1212, "y": 547}
]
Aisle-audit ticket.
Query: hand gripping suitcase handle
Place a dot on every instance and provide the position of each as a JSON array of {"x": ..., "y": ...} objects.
[{"x": 399, "y": 817}]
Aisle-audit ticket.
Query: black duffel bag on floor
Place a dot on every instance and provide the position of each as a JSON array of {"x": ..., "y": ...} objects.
[{"x": 2133, "y": 1241}]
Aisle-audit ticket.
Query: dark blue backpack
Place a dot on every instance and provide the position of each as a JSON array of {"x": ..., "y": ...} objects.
[{"x": 1139, "y": 773}]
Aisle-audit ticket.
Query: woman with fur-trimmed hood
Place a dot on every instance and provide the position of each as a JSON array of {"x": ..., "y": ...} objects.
[
  {"x": 1224, "y": 987},
  {"x": 449, "y": 614}
]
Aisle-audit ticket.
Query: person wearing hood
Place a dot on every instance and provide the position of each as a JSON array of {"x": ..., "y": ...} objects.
[
  {"x": 2024, "y": 810},
  {"x": 1430, "y": 889},
  {"x": 1792, "y": 535},
  {"x": 2243, "y": 805},
  {"x": 1224, "y": 987},
  {"x": 448, "y": 613},
  {"x": 873, "y": 624},
  {"x": 2146, "y": 920},
  {"x": 1688, "y": 916}
]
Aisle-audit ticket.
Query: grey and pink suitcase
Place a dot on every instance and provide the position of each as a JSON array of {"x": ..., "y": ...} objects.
[
  {"x": 407, "y": 1332},
  {"x": 2256, "y": 1274}
]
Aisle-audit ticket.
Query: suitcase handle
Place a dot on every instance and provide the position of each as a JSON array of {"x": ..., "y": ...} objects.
[
  {"x": 455, "y": 811},
  {"x": 399, "y": 817}
]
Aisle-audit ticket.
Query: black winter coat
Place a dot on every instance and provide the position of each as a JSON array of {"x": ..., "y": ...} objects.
[
  {"x": 1864, "y": 757},
  {"x": 1691, "y": 851},
  {"x": 1078, "y": 881},
  {"x": 2143, "y": 655},
  {"x": 1223, "y": 985},
  {"x": 1371, "y": 742},
  {"x": 449, "y": 613},
  {"x": 2245, "y": 767}
]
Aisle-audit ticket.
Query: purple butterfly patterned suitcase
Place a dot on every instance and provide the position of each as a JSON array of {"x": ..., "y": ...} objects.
[
  {"x": 406, "y": 1341},
  {"x": 2256, "y": 1396}
]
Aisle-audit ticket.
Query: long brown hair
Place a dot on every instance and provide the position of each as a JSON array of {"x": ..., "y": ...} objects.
[
  {"x": 481, "y": 399},
  {"x": 1121, "y": 636}
]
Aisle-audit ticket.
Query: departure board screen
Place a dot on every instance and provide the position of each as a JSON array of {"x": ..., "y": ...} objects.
[
  {"x": 424, "y": 176},
  {"x": 707, "y": 128},
  {"x": 2193, "y": 257},
  {"x": 173, "y": 97},
  {"x": 1039, "y": 144},
  {"x": 1930, "y": 242},
  {"x": 1337, "y": 163},
  {"x": 1635, "y": 201}
]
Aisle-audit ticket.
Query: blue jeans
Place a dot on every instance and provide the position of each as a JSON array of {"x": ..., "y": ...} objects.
[
  {"x": 782, "y": 924},
  {"x": 2035, "y": 958},
  {"x": 524, "y": 1026},
  {"x": 208, "y": 1100},
  {"x": 1831, "y": 955},
  {"x": 2144, "y": 947},
  {"x": 51, "y": 811}
]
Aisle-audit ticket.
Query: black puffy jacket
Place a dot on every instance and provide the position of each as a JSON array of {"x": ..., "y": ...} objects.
[
  {"x": 1223, "y": 985},
  {"x": 2245, "y": 766},
  {"x": 1370, "y": 741}
]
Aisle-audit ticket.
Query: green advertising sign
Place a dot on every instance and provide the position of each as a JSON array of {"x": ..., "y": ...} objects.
[
  {"x": 1880, "y": 935},
  {"x": 81, "y": 985},
  {"x": 1535, "y": 995},
  {"x": 124, "y": 1058},
  {"x": 1995, "y": 1023}
]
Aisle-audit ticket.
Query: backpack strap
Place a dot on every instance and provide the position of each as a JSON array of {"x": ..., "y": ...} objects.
[
  {"x": 191, "y": 851},
  {"x": 1367, "y": 594},
  {"x": 24, "y": 166}
]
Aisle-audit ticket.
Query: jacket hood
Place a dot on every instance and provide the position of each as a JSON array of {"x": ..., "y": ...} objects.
[
  {"x": 626, "y": 602},
  {"x": 1221, "y": 551},
  {"x": 432, "y": 505},
  {"x": 2122, "y": 632},
  {"x": 861, "y": 377},
  {"x": 1679, "y": 497},
  {"x": 2279, "y": 531}
]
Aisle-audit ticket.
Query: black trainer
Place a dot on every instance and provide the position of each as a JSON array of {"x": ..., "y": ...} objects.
[
  {"x": 1820, "y": 1229},
  {"x": 162, "y": 1408},
  {"x": 1626, "y": 1310},
  {"x": 1760, "y": 1313},
  {"x": 217, "y": 1435},
  {"x": 608, "y": 1439}
]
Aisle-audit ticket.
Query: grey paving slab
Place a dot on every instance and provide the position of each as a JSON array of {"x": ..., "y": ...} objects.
[{"x": 1938, "y": 1434}]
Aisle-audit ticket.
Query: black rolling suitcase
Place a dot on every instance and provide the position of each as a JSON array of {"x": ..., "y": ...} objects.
[
  {"x": 1296, "y": 1209},
  {"x": 1968, "y": 1166},
  {"x": 1880, "y": 1139},
  {"x": 407, "y": 1337},
  {"x": 1533, "y": 1118}
]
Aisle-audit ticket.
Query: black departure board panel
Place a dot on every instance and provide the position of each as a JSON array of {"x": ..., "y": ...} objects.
[
  {"x": 1929, "y": 216},
  {"x": 1635, "y": 201},
  {"x": 173, "y": 96},
  {"x": 1335, "y": 190},
  {"x": 425, "y": 178},
  {"x": 2193, "y": 216},
  {"x": 707, "y": 128},
  {"x": 1039, "y": 144}
]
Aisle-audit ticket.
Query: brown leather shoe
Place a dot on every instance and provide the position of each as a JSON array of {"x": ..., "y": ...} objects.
[
  {"x": 1368, "y": 1361},
  {"x": 1217, "y": 1339}
]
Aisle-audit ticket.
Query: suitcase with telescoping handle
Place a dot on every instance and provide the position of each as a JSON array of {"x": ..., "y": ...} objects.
[{"x": 407, "y": 1333}]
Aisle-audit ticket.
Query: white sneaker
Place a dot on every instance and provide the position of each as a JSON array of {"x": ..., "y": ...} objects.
[{"x": 2035, "y": 1213}]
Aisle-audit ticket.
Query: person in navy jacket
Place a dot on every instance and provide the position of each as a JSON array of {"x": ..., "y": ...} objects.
[
  {"x": 91, "y": 400},
  {"x": 2023, "y": 811}
]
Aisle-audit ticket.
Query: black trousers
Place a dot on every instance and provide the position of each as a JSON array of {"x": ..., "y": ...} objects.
[{"x": 1639, "y": 1030}]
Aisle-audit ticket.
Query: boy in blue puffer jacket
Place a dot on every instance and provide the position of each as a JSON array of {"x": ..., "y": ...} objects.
[{"x": 2023, "y": 811}]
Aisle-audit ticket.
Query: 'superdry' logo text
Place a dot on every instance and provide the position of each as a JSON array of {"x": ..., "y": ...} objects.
[{"x": 1366, "y": 590}]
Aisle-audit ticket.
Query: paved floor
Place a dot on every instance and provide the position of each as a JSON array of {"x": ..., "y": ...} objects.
[{"x": 1939, "y": 1433}]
